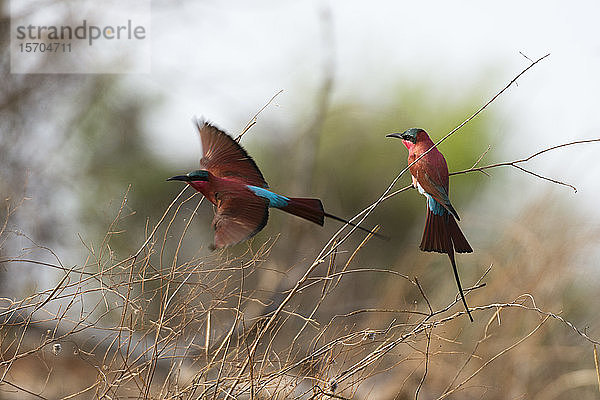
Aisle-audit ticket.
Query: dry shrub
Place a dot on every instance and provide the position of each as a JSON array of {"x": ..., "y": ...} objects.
[{"x": 169, "y": 323}]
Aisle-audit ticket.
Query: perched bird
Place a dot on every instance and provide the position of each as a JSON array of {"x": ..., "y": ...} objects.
[
  {"x": 231, "y": 181},
  {"x": 430, "y": 177}
]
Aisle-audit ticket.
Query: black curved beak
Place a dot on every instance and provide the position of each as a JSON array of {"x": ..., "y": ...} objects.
[
  {"x": 183, "y": 178},
  {"x": 396, "y": 135}
]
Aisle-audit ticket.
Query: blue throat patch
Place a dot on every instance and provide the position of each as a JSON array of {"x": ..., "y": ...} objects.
[{"x": 275, "y": 200}]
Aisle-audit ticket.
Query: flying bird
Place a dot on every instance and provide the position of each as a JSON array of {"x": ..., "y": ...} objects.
[
  {"x": 231, "y": 180},
  {"x": 430, "y": 177}
]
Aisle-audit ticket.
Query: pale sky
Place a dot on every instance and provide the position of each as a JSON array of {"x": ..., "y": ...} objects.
[{"x": 225, "y": 59}]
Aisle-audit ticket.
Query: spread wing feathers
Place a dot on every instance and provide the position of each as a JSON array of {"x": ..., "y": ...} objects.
[
  {"x": 234, "y": 223},
  {"x": 442, "y": 235},
  {"x": 438, "y": 191},
  {"x": 225, "y": 158}
]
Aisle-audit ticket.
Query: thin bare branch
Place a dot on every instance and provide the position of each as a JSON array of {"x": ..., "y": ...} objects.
[
  {"x": 254, "y": 119},
  {"x": 516, "y": 163}
]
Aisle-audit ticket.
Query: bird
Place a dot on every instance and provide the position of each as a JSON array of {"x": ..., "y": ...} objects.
[
  {"x": 231, "y": 180},
  {"x": 430, "y": 178}
]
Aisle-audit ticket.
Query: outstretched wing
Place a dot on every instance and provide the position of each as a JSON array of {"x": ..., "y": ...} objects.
[
  {"x": 225, "y": 158},
  {"x": 237, "y": 220}
]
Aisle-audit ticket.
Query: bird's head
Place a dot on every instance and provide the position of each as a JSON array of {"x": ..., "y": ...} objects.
[
  {"x": 197, "y": 179},
  {"x": 409, "y": 137}
]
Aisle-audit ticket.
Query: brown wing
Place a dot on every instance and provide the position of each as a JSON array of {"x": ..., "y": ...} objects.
[
  {"x": 236, "y": 221},
  {"x": 225, "y": 158},
  {"x": 438, "y": 192}
]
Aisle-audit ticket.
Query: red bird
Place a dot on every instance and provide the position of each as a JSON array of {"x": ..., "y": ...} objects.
[
  {"x": 234, "y": 184},
  {"x": 430, "y": 177}
]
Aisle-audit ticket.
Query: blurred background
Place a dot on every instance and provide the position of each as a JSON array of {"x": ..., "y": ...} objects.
[{"x": 86, "y": 154}]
